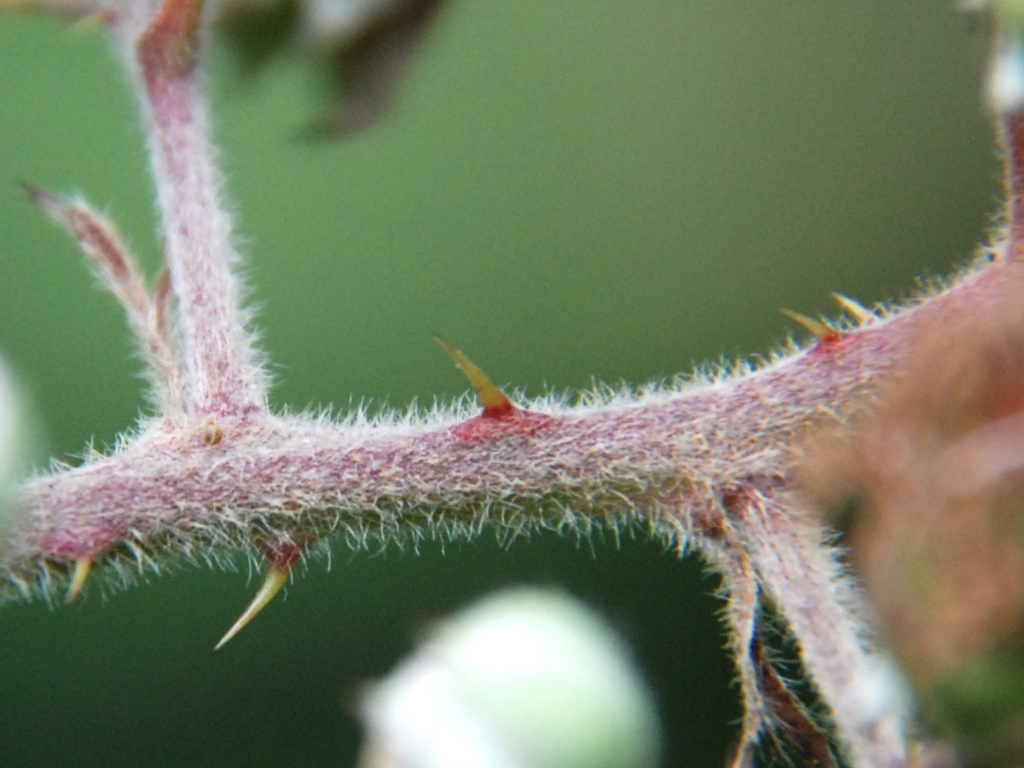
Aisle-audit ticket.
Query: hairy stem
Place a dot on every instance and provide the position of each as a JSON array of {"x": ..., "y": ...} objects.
[
  {"x": 802, "y": 578},
  {"x": 292, "y": 477},
  {"x": 222, "y": 377}
]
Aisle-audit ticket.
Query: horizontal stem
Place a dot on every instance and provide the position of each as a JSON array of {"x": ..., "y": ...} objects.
[{"x": 270, "y": 478}]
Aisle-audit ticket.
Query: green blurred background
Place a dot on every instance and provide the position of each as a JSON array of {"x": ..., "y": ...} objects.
[{"x": 567, "y": 190}]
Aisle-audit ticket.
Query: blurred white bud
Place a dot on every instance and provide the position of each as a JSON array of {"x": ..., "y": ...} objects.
[
  {"x": 17, "y": 441},
  {"x": 8, "y": 431},
  {"x": 1006, "y": 77},
  {"x": 341, "y": 21},
  {"x": 524, "y": 679},
  {"x": 883, "y": 696}
]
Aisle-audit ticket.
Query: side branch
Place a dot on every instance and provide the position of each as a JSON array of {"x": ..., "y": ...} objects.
[
  {"x": 149, "y": 312},
  {"x": 222, "y": 377},
  {"x": 803, "y": 578}
]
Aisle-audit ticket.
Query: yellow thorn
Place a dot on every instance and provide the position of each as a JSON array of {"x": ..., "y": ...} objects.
[
  {"x": 212, "y": 433},
  {"x": 491, "y": 398},
  {"x": 820, "y": 330},
  {"x": 857, "y": 311},
  {"x": 90, "y": 23},
  {"x": 82, "y": 567},
  {"x": 276, "y": 578}
]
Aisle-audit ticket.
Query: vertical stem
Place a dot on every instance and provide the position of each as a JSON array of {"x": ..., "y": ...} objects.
[
  {"x": 802, "y": 578},
  {"x": 1006, "y": 97},
  {"x": 740, "y": 583},
  {"x": 1013, "y": 152},
  {"x": 221, "y": 376}
]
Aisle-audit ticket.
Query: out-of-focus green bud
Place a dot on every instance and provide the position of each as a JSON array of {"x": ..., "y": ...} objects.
[
  {"x": 979, "y": 707},
  {"x": 525, "y": 679},
  {"x": 1008, "y": 13}
]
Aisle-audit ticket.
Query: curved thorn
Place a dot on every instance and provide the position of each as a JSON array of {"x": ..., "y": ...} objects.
[
  {"x": 491, "y": 398},
  {"x": 856, "y": 310},
  {"x": 276, "y": 578},
  {"x": 821, "y": 331},
  {"x": 82, "y": 567},
  {"x": 92, "y": 22},
  {"x": 35, "y": 194}
]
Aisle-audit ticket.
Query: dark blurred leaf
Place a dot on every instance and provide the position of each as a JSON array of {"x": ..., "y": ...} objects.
[
  {"x": 361, "y": 47},
  {"x": 368, "y": 69},
  {"x": 258, "y": 31}
]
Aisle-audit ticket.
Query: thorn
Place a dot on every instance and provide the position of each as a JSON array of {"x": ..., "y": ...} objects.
[
  {"x": 856, "y": 310},
  {"x": 50, "y": 204},
  {"x": 212, "y": 433},
  {"x": 92, "y": 22},
  {"x": 35, "y": 194},
  {"x": 821, "y": 331},
  {"x": 491, "y": 398},
  {"x": 163, "y": 296},
  {"x": 162, "y": 309},
  {"x": 276, "y": 578},
  {"x": 82, "y": 567}
]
